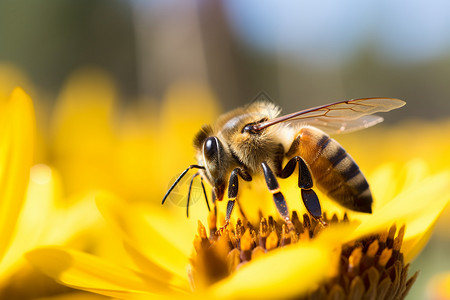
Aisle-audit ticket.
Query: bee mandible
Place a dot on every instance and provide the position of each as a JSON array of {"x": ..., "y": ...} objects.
[{"x": 254, "y": 140}]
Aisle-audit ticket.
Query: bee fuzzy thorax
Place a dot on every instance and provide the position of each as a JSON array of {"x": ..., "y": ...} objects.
[
  {"x": 238, "y": 147},
  {"x": 253, "y": 149}
]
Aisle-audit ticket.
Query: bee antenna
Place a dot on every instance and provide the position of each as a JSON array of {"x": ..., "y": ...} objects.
[{"x": 179, "y": 179}]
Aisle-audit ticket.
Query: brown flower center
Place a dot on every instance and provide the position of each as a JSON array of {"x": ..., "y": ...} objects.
[{"x": 372, "y": 267}]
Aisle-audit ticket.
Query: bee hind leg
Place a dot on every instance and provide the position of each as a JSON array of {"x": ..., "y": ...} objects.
[
  {"x": 278, "y": 197},
  {"x": 305, "y": 183},
  {"x": 233, "y": 187}
]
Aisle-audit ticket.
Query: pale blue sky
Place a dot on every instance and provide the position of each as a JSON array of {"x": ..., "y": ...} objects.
[{"x": 328, "y": 31}]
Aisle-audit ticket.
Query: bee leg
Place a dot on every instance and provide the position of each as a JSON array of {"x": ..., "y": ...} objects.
[
  {"x": 233, "y": 187},
  {"x": 310, "y": 199},
  {"x": 278, "y": 197},
  {"x": 213, "y": 197},
  {"x": 179, "y": 179},
  {"x": 305, "y": 182},
  {"x": 312, "y": 204},
  {"x": 204, "y": 193},
  {"x": 230, "y": 206},
  {"x": 304, "y": 179}
]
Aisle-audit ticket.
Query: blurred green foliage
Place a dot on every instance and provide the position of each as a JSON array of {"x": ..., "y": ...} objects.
[{"x": 49, "y": 39}]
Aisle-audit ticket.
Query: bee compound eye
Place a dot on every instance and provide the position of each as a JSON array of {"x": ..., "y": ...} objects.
[
  {"x": 247, "y": 128},
  {"x": 250, "y": 128},
  {"x": 210, "y": 147}
]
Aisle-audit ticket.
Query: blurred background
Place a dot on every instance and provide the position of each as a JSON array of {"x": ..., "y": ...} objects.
[
  {"x": 302, "y": 53},
  {"x": 141, "y": 66}
]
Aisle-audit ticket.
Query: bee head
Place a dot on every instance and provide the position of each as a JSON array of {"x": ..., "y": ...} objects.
[
  {"x": 214, "y": 158},
  {"x": 212, "y": 154}
]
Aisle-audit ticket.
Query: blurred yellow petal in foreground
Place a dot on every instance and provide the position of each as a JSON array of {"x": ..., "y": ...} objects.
[
  {"x": 17, "y": 128},
  {"x": 32, "y": 211}
]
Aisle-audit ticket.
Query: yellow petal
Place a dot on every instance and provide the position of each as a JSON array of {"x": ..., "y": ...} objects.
[
  {"x": 137, "y": 152},
  {"x": 297, "y": 271},
  {"x": 16, "y": 153},
  {"x": 44, "y": 220},
  {"x": 165, "y": 247},
  {"x": 417, "y": 207},
  {"x": 153, "y": 270},
  {"x": 383, "y": 185},
  {"x": 33, "y": 218},
  {"x": 285, "y": 272},
  {"x": 186, "y": 107},
  {"x": 415, "y": 171},
  {"x": 12, "y": 76},
  {"x": 388, "y": 180},
  {"x": 419, "y": 230},
  {"x": 91, "y": 273},
  {"x": 82, "y": 131},
  {"x": 74, "y": 296}
]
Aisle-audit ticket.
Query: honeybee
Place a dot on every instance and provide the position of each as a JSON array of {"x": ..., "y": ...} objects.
[{"x": 254, "y": 140}]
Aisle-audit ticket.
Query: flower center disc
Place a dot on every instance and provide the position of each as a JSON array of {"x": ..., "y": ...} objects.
[{"x": 372, "y": 267}]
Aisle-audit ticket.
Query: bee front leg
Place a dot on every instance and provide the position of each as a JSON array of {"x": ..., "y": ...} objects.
[
  {"x": 305, "y": 182},
  {"x": 189, "y": 193},
  {"x": 233, "y": 188},
  {"x": 204, "y": 193},
  {"x": 278, "y": 197}
]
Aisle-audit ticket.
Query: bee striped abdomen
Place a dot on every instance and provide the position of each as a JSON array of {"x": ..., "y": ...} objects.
[{"x": 334, "y": 170}]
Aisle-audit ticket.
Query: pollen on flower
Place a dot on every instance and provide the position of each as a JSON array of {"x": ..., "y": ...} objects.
[
  {"x": 271, "y": 241},
  {"x": 218, "y": 256},
  {"x": 385, "y": 257},
  {"x": 371, "y": 268}
]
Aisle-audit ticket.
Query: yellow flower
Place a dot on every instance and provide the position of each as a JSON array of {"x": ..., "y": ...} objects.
[
  {"x": 132, "y": 153},
  {"x": 165, "y": 264},
  {"x": 31, "y": 207}
]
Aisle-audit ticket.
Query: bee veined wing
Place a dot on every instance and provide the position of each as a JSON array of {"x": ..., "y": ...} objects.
[
  {"x": 338, "y": 117},
  {"x": 342, "y": 125}
]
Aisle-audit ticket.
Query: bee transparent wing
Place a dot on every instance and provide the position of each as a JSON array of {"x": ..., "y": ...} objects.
[
  {"x": 343, "y": 116},
  {"x": 342, "y": 125}
]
